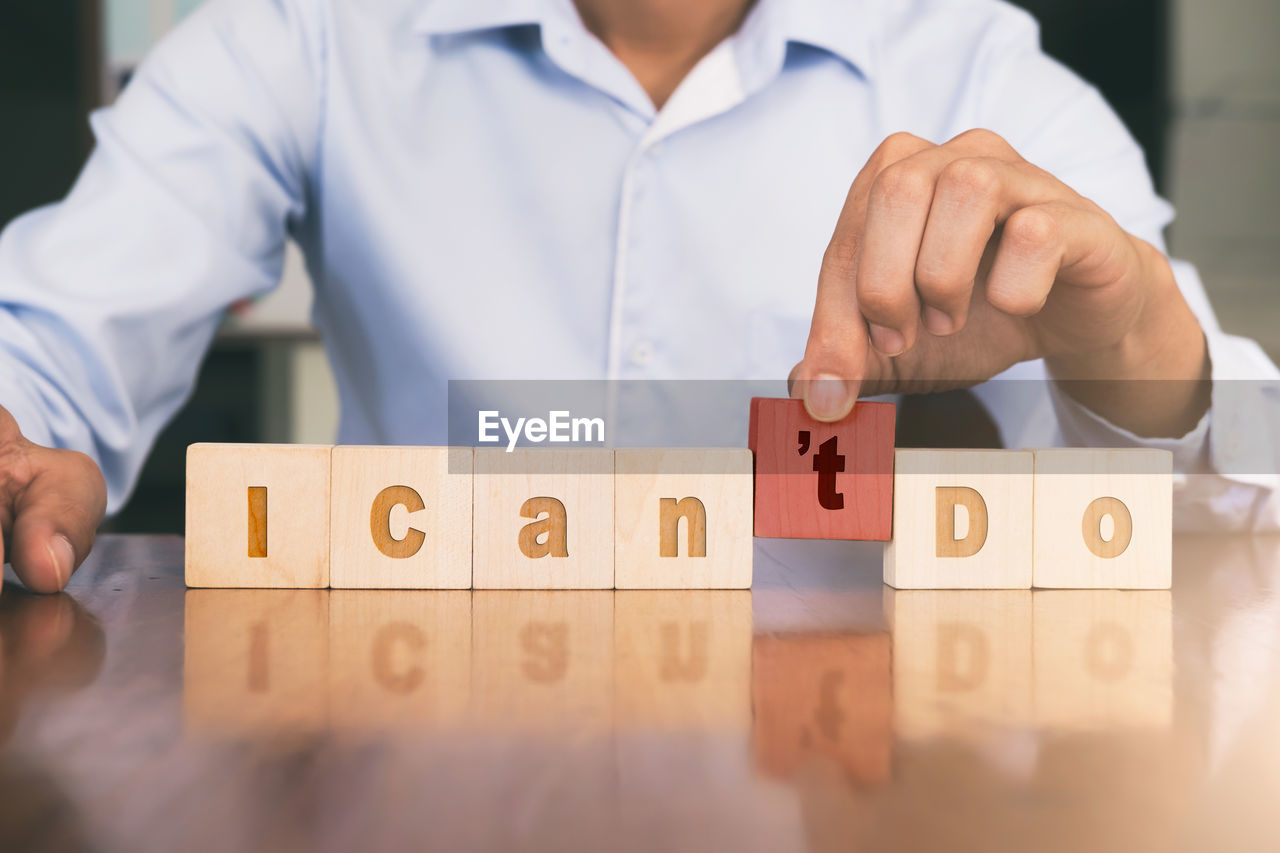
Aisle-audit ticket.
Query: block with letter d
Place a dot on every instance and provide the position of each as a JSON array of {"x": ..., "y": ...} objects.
[{"x": 961, "y": 520}]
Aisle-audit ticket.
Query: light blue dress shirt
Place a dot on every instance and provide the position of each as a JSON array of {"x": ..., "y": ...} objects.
[{"x": 482, "y": 190}]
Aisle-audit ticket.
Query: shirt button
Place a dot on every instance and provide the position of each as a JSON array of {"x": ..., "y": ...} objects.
[{"x": 642, "y": 355}]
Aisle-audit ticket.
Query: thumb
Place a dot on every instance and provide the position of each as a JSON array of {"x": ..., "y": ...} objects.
[{"x": 55, "y": 517}]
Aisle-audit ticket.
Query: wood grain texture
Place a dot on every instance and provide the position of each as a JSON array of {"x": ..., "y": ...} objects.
[
  {"x": 401, "y": 518},
  {"x": 581, "y": 481},
  {"x": 660, "y": 496},
  {"x": 682, "y": 660},
  {"x": 822, "y": 481},
  {"x": 100, "y": 753},
  {"x": 542, "y": 660},
  {"x": 962, "y": 660},
  {"x": 1075, "y": 491},
  {"x": 986, "y": 545},
  {"x": 1103, "y": 659},
  {"x": 254, "y": 662},
  {"x": 824, "y": 696},
  {"x": 399, "y": 661},
  {"x": 221, "y": 541}
]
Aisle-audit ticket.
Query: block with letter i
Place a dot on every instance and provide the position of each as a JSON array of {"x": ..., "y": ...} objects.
[
  {"x": 543, "y": 519},
  {"x": 683, "y": 519},
  {"x": 1104, "y": 518},
  {"x": 961, "y": 520},
  {"x": 818, "y": 480},
  {"x": 401, "y": 518},
  {"x": 257, "y": 515}
]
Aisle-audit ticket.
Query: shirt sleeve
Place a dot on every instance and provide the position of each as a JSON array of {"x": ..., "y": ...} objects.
[
  {"x": 109, "y": 299},
  {"x": 1226, "y": 467}
]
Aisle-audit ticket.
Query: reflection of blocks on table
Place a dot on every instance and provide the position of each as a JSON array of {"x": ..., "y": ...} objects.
[
  {"x": 401, "y": 518},
  {"x": 683, "y": 519},
  {"x": 961, "y": 659},
  {"x": 817, "y": 480},
  {"x": 257, "y": 515},
  {"x": 542, "y": 659},
  {"x": 961, "y": 520},
  {"x": 1104, "y": 519},
  {"x": 825, "y": 695},
  {"x": 399, "y": 660},
  {"x": 543, "y": 519},
  {"x": 1103, "y": 659},
  {"x": 255, "y": 661},
  {"x": 682, "y": 660}
]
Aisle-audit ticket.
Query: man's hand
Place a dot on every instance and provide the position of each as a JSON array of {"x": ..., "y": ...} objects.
[
  {"x": 951, "y": 263},
  {"x": 51, "y": 503}
]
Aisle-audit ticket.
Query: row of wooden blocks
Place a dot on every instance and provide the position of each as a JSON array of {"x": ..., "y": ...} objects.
[{"x": 455, "y": 518}]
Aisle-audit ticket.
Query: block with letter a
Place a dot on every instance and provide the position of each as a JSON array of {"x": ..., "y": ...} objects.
[
  {"x": 257, "y": 515},
  {"x": 961, "y": 520},
  {"x": 683, "y": 519},
  {"x": 1104, "y": 518},
  {"x": 543, "y": 519},
  {"x": 819, "y": 480},
  {"x": 401, "y": 518}
]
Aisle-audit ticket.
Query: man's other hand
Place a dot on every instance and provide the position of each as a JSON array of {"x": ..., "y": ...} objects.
[{"x": 51, "y": 503}]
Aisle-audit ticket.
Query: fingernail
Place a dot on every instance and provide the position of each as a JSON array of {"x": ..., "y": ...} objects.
[
  {"x": 936, "y": 322},
  {"x": 827, "y": 398},
  {"x": 887, "y": 340},
  {"x": 64, "y": 558}
]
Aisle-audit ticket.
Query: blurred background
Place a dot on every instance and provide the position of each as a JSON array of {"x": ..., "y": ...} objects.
[{"x": 1197, "y": 82}]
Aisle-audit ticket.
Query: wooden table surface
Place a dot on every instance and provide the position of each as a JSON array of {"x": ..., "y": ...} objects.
[{"x": 820, "y": 711}]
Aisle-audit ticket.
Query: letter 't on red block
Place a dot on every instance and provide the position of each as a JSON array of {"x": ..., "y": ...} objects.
[{"x": 817, "y": 480}]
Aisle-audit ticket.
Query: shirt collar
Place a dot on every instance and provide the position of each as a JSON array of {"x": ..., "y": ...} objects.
[
  {"x": 840, "y": 27},
  {"x": 450, "y": 17}
]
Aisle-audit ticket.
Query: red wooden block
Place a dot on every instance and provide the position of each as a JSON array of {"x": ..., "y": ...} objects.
[{"x": 822, "y": 481}]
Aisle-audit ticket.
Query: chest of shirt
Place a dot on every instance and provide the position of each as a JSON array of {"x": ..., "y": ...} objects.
[{"x": 480, "y": 188}]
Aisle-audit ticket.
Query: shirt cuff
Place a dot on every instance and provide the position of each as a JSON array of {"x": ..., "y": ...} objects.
[{"x": 1234, "y": 439}]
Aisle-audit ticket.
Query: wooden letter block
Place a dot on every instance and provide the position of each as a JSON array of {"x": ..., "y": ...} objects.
[
  {"x": 961, "y": 660},
  {"x": 822, "y": 481},
  {"x": 543, "y": 519},
  {"x": 1103, "y": 659},
  {"x": 399, "y": 661},
  {"x": 401, "y": 518},
  {"x": 257, "y": 515},
  {"x": 255, "y": 661},
  {"x": 961, "y": 520},
  {"x": 1104, "y": 519},
  {"x": 683, "y": 519},
  {"x": 682, "y": 660}
]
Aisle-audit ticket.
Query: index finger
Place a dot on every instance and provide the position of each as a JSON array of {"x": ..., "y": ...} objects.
[{"x": 835, "y": 357}]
